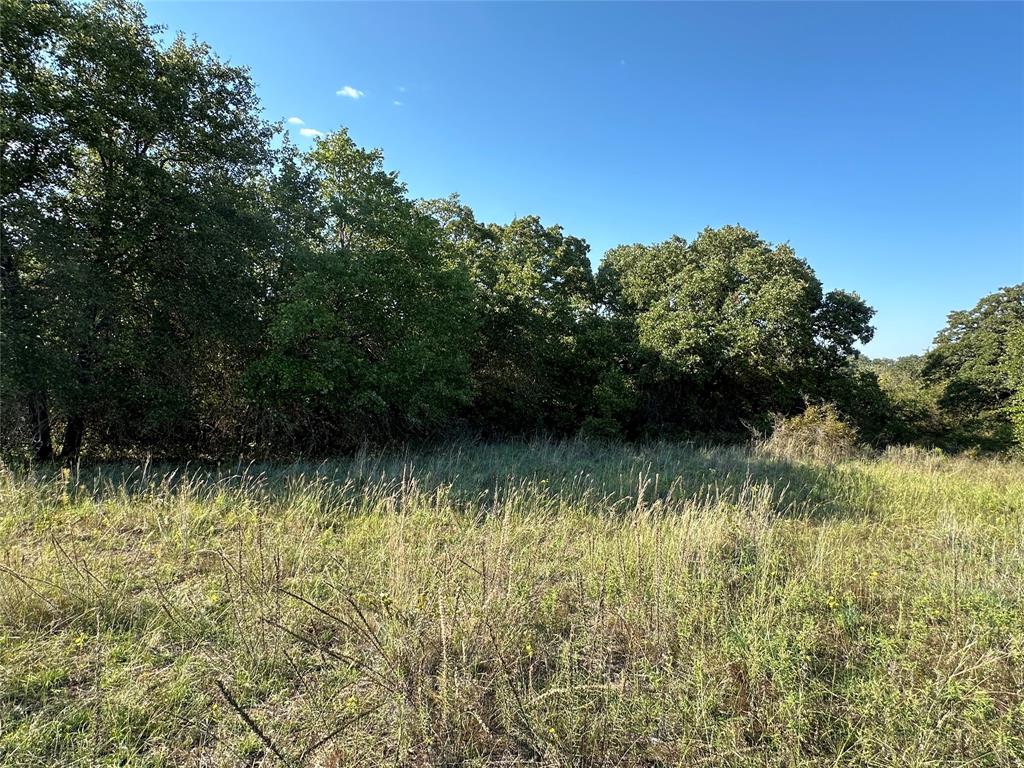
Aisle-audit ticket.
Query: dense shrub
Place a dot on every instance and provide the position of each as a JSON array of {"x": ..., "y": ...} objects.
[{"x": 817, "y": 433}]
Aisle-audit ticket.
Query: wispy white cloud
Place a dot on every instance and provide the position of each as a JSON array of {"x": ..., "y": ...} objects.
[
  {"x": 296, "y": 121},
  {"x": 311, "y": 132},
  {"x": 397, "y": 103},
  {"x": 401, "y": 89},
  {"x": 349, "y": 92}
]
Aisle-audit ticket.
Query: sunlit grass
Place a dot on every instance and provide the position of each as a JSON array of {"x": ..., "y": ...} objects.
[{"x": 545, "y": 603}]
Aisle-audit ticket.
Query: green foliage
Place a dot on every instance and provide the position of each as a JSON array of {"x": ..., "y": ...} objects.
[
  {"x": 966, "y": 393},
  {"x": 175, "y": 280},
  {"x": 536, "y": 354},
  {"x": 728, "y": 327},
  {"x": 911, "y": 405},
  {"x": 612, "y": 407},
  {"x": 367, "y": 332},
  {"x": 976, "y": 363},
  {"x": 128, "y": 252},
  {"x": 1013, "y": 364}
]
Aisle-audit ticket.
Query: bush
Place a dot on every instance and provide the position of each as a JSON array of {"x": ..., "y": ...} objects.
[
  {"x": 818, "y": 433},
  {"x": 600, "y": 429}
]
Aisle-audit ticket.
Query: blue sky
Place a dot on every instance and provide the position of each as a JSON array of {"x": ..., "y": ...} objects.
[{"x": 885, "y": 142}]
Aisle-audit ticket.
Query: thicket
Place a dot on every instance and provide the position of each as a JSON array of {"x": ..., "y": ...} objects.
[{"x": 178, "y": 279}]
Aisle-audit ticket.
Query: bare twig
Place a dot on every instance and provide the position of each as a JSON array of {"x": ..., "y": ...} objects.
[{"x": 253, "y": 725}]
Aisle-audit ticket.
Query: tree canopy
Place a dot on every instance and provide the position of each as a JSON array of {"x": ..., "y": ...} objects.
[
  {"x": 371, "y": 318},
  {"x": 977, "y": 362},
  {"x": 131, "y": 228},
  {"x": 729, "y": 327},
  {"x": 177, "y": 277}
]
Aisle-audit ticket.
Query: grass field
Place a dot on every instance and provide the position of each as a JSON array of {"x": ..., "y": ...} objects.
[{"x": 543, "y": 604}]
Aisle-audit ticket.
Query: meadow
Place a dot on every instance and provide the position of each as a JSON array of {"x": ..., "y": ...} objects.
[{"x": 532, "y": 603}]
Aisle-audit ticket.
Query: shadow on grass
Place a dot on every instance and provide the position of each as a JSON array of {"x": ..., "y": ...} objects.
[{"x": 605, "y": 478}]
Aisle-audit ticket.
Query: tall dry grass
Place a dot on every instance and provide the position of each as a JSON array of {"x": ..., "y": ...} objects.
[{"x": 542, "y": 604}]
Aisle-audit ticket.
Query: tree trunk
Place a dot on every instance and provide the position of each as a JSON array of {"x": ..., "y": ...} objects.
[
  {"x": 73, "y": 435},
  {"x": 39, "y": 420}
]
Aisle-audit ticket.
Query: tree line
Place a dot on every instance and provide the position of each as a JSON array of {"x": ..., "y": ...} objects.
[{"x": 178, "y": 278}]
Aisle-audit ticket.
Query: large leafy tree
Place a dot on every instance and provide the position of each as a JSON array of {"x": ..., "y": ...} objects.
[
  {"x": 728, "y": 327},
  {"x": 535, "y": 355},
  {"x": 977, "y": 361},
  {"x": 131, "y": 230},
  {"x": 370, "y": 314},
  {"x": 35, "y": 153}
]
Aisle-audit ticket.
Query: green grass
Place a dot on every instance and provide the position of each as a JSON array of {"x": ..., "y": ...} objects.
[{"x": 542, "y": 604}]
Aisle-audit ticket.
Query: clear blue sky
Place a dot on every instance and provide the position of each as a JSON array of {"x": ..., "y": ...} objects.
[{"x": 885, "y": 142}]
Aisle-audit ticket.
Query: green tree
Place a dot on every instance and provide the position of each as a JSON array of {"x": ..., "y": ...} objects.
[
  {"x": 911, "y": 411},
  {"x": 1014, "y": 366},
  {"x": 976, "y": 361},
  {"x": 371, "y": 313},
  {"x": 534, "y": 359},
  {"x": 35, "y": 151},
  {"x": 132, "y": 230},
  {"x": 728, "y": 327}
]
